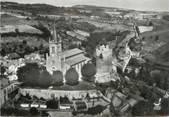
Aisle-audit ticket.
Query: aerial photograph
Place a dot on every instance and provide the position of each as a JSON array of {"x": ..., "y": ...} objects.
[{"x": 84, "y": 58}]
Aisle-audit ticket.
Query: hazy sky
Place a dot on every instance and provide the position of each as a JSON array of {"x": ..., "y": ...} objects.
[{"x": 157, "y": 5}]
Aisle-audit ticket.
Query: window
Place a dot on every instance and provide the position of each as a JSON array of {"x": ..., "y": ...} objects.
[
  {"x": 53, "y": 49},
  {"x": 53, "y": 68},
  {"x": 53, "y": 62}
]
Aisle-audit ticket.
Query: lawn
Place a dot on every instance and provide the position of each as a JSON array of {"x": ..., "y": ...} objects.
[{"x": 81, "y": 86}]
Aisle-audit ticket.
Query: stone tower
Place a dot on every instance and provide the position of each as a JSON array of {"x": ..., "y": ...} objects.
[{"x": 53, "y": 60}]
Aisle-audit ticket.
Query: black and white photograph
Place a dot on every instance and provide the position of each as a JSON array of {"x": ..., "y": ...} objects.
[{"x": 84, "y": 58}]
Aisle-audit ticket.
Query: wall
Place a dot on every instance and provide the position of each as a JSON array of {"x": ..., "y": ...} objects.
[
  {"x": 5, "y": 91},
  {"x": 48, "y": 93}
]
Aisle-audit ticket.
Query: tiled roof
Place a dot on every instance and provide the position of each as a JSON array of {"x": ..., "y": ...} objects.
[
  {"x": 78, "y": 36},
  {"x": 76, "y": 59},
  {"x": 70, "y": 53}
]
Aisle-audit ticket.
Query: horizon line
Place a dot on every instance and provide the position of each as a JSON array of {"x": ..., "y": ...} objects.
[{"x": 87, "y": 5}]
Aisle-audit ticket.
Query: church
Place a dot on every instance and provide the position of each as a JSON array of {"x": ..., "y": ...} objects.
[{"x": 63, "y": 60}]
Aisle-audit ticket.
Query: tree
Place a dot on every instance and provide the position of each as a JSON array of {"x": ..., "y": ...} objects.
[
  {"x": 112, "y": 108},
  {"x": 166, "y": 83},
  {"x": 142, "y": 108},
  {"x": 17, "y": 30},
  {"x": 88, "y": 72},
  {"x": 45, "y": 79},
  {"x": 165, "y": 106},
  {"x": 57, "y": 78},
  {"x": 150, "y": 23},
  {"x": 24, "y": 42},
  {"x": 3, "y": 52},
  {"x": 156, "y": 38},
  {"x": 137, "y": 29},
  {"x": 72, "y": 77},
  {"x": 53, "y": 104},
  {"x": 3, "y": 69},
  {"x": 32, "y": 77},
  {"x": 33, "y": 111},
  {"x": 41, "y": 27},
  {"x": 101, "y": 56},
  {"x": 96, "y": 110},
  {"x": 28, "y": 74}
]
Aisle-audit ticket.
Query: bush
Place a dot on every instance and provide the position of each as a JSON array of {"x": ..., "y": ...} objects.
[
  {"x": 96, "y": 110},
  {"x": 57, "y": 78},
  {"x": 88, "y": 72},
  {"x": 72, "y": 77}
]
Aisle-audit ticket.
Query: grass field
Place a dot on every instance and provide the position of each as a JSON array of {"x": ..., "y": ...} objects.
[
  {"x": 20, "y": 28},
  {"x": 10, "y": 23},
  {"x": 12, "y": 20}
]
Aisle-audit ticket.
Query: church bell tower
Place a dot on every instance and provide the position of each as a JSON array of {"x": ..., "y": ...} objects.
[{"x": 53, "y": 62}]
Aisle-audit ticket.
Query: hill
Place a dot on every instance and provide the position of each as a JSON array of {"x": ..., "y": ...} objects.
[{"x": 32, "y": 8}]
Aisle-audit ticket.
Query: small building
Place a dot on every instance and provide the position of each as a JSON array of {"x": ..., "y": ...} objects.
[{"x": 80, "y": 106}]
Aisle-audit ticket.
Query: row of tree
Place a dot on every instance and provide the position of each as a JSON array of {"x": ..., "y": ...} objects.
[
  {"x": 21, "y": 49},
  {"x": 34, "y": 75}
]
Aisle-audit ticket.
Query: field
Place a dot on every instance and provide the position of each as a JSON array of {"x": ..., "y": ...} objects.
[
  {"x": 19, "y": 29},
  {"x": 24, "y": 27},
  {"x": 156, "y": 43},
  {"x": 33, "y": 41},
  {"x": 106, "y": 26},
  {"x": 155, "y": 39},
  {"x": 12, "y": 20}
]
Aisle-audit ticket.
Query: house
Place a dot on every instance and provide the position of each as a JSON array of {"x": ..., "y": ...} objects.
[
  {"x": 77, "y": 37},
  {"x": 83, "y": 33}
]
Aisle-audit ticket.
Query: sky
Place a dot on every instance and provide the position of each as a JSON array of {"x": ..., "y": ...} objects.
[{"x": 144, "y": 5}]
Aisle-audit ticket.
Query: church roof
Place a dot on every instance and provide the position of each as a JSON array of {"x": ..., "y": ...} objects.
[
  {"x": 76, "y": 59},
  {"x": 70, "y": 53}
]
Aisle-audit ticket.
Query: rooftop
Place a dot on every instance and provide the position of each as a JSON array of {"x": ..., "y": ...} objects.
[
  {"x": 70, "y": 53},
  {"x": 76, "y": 59},
  {"x": 77, "y": 35}
]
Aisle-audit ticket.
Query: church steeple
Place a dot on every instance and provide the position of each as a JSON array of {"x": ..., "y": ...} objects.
[
  {"x": 55, "y": 43},
  {"x": 53, "y": 61}
]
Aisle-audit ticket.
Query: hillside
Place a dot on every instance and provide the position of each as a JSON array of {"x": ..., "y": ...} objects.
[
  {"x": 92, "y": 7},
  {"x": 33, "y": 9}
]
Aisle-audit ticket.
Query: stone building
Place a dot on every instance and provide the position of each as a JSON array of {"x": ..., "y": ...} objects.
[{"x": 63, "y": 60}]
